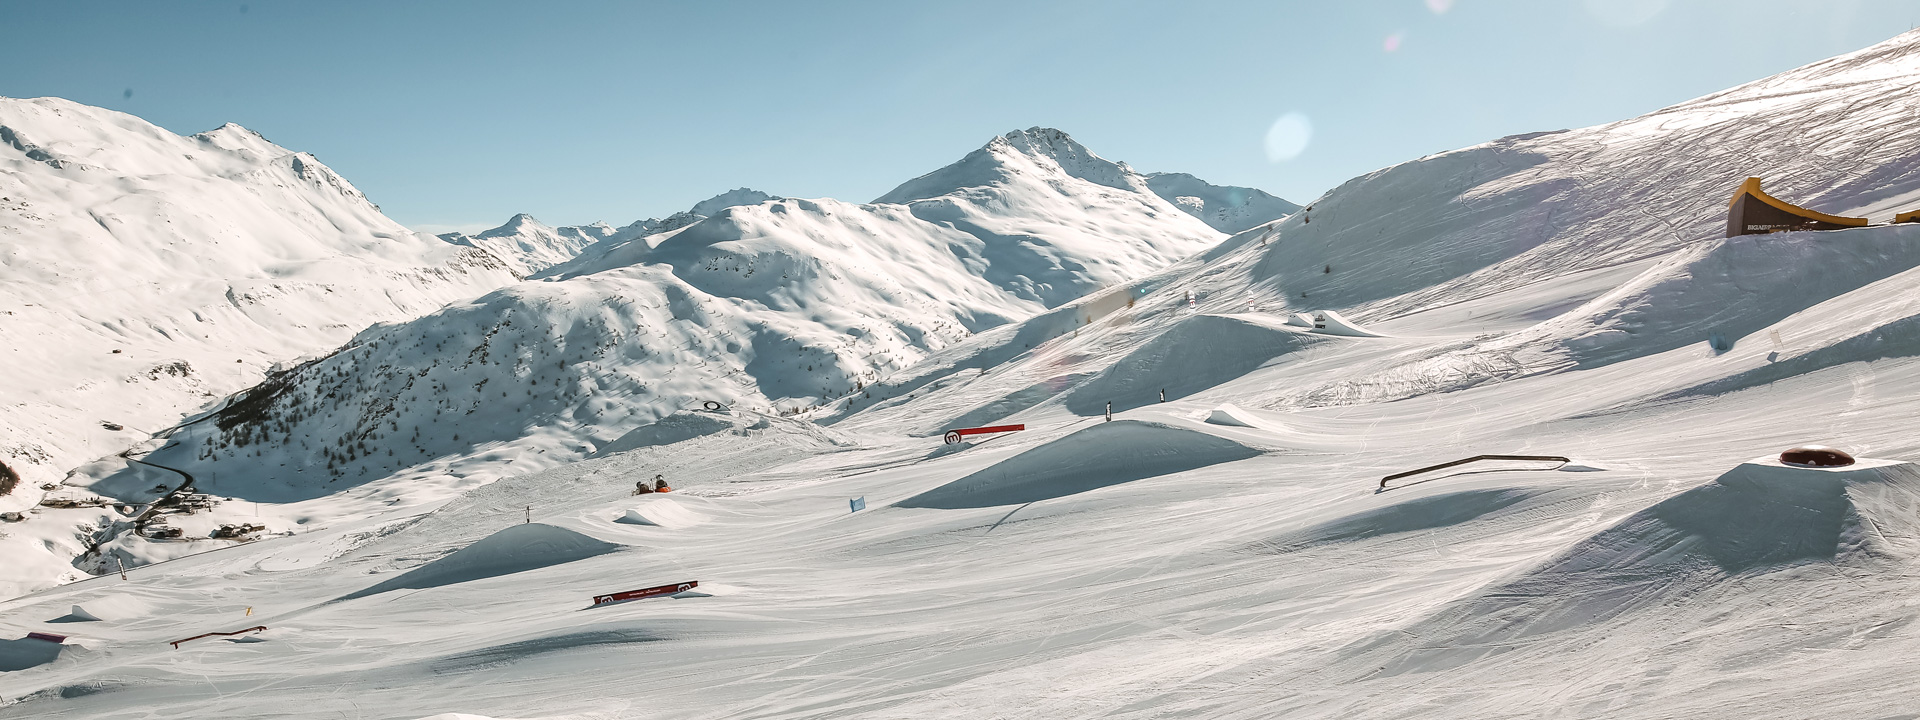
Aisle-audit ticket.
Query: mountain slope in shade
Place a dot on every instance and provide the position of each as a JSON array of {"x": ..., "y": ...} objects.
[
  {"x": 1225, "y": 208},
  {"x": 528, "y": 246}
]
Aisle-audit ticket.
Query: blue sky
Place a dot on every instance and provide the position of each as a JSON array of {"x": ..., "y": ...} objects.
[{"x": 460, "y": 114}]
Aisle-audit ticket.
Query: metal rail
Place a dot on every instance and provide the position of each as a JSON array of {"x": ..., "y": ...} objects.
[
  {"x": 1476, "y": 458},
  {"x": 257, "y": 628}
]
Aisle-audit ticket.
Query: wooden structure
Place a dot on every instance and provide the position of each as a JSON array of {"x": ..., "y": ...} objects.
[{"x": 1754, "y": 212}]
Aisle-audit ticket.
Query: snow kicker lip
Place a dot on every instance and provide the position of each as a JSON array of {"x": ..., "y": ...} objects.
[{"x": 1100, "y": 456}]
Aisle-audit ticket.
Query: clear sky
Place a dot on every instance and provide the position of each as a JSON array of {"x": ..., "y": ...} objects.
[{"x": 458, "y": 114}]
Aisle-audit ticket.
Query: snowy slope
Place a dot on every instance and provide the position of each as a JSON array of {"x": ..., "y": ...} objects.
[
  {"x": 1230, "y": 552},
  {"x": 771, "y": 307},
  {"x": 145, "y": 275},
  {"x": 528, "y": 246},
  {"x": 1225, "y": 208}
]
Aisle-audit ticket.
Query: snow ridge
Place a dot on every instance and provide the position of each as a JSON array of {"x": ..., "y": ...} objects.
[{"x": 528, "y": 246}]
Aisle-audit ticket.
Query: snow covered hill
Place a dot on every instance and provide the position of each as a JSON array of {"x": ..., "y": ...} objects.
[
  {"x": 147, "y": 274},
  {"x": 1224, "y": 546},
  {"x": 528, "y": 246},
  {"x": 650, "y": 231}
]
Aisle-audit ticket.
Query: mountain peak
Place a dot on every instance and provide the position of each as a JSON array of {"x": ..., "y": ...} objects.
[
  {"x": 1033, "y": 151},
  {"x": 520, "y": 223},
  {"x": 1047, "y": 142},
  {"x": 731, "y": 198}
]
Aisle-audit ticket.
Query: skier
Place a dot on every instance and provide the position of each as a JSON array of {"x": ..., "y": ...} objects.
[{"x": 1109, "y": 411}]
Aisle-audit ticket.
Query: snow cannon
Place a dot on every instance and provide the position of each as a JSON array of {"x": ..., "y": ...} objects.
[{"x": 1815, "y": 456}]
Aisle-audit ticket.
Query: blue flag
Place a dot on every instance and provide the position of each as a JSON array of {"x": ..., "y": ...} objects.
[{"x": 858, "y": 504}]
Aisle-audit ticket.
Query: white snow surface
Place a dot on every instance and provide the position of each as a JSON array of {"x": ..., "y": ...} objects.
[{"x": 1558, "y": 294}]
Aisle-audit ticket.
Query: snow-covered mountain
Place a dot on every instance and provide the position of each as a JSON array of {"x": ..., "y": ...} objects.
[
  {"x": 746, "y": 299},
  {"x": 1225, "y": 546},
  {"x": 528, "y": 246},
  {"x": 146, "y": 274},
  {"x": 1225, "y": 208},
  {"x": 777, "y": 306}
]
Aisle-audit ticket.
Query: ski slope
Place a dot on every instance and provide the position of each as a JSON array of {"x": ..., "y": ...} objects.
[{"x": 1224, "y": 553}]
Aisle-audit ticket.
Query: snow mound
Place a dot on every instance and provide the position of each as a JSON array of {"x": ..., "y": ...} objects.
[
  {"x": 22, "y": 653},
  {"x": 1328, "y": 322},
  {"x": 1196, "y": 354},
  {"x": 685, "y": 425},
  {"x": 1229, "y": 414},
  {"x": 1423, "y": 513},
  {"x": 494, "y": 656},
  {"x": 516, "y": 549},
  {"x": 1106, "y": 454},
  {"x": 1758, "y": 518},
  {"x": 661, "y": 512}
]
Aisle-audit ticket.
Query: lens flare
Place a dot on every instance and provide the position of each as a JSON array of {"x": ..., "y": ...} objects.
[
  {"x": 1439, "y": 7},
  {"x": 1393, "y": 42},
  {"x": 1288, "y": 137}
]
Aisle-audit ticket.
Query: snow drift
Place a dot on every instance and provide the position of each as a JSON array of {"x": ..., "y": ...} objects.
[{"x": 1106, "y": 454}]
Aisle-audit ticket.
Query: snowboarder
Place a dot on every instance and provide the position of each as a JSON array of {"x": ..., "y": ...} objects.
[
  {"x": 660, "y": 484},
  {"x": 643, "y": 487},
  {"x": 1109, "y": 411}
]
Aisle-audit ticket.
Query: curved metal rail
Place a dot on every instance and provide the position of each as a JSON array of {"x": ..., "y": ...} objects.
[
  {"x": 1476, "y": 458},
  {"x": 257, "y": 628}
]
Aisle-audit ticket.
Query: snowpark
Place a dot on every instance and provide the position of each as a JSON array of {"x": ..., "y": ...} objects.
[{"x": 1192, "y": 520}]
